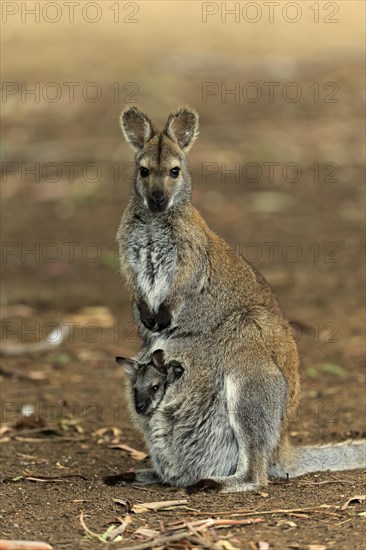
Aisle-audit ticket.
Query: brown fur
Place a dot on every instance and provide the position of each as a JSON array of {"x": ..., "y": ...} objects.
[{"x": 218, "y": 312}]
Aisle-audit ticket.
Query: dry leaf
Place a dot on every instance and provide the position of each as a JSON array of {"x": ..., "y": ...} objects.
[
  {"x": 286, "y": 522},
  {"x": 103, "y": 431},
  {"x": 117, "y": 533},
  {"x": 262, "y": 545},
  {"x": 317, "y": 547},
  {"x": 154, "y": 506},
  {"x": 357, "y": 498},
  {"x": 4, "y": 429},
  {"x": 134, "y": 453}
]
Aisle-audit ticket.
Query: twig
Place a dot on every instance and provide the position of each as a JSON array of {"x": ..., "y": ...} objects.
[
  {"x": 246, "y": 512},
  {"x": 200, "y": 540},
  {"x": 119, "y": 531},
  {"x": 51, "y": 439},
  {"x": 85, "y": 527},
  {"x": 23, "y": 545},
  {"x": 325, "y": 482},
  {"x": 345, "y": 521},
  {"x": 192, "y": 528}
]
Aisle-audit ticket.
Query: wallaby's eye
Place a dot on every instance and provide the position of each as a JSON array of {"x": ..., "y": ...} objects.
[
  {"x": 155, "y": 388},
  {"x": 174, "y": 172},
  {"x": 144, "y": 172}
]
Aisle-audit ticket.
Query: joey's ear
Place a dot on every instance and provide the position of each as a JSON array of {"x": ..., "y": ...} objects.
[
  {"x": 177, "y": 369},
  {"x": 136, "y": 127},
  {"x": 158, "y": 360},
  {"x": 182, "y": 127},
  {"x": 130, "y": 366}
]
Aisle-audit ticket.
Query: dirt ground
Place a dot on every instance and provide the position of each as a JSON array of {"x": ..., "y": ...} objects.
[{"x": 63, "y": 408}]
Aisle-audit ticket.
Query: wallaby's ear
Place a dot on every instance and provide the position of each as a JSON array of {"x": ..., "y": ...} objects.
[
  {"x": 136, "y": 127},
  {"x": 130, "y": 366},
  {"x": 158, "y": 360},
  {"x": 182, "y": 127},
  {"x": 177, "y": 369}
]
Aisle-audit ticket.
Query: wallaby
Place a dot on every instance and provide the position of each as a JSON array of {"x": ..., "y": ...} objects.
[
  {"x": 150, "y": 381},
  {"x": 187, "y": 429},
  {"x": 205, "y": 306},
  {"x": 146, "y": 387}
]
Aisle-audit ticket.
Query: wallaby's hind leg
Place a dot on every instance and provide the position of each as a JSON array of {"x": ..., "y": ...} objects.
[{"x": 256, "y": 406}]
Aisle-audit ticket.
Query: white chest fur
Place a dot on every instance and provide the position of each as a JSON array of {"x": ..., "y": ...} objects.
[{"x": 153, "y": 257}]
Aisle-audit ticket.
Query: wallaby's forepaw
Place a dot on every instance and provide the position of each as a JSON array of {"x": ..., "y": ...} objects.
[
  {"x": 163, "y": 317},
  {"x": 204, "y": 485},
  {"x": 120, "y": 479},
  {"x": 147, "y": 317}
]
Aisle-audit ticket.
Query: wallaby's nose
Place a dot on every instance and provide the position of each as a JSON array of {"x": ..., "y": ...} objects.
[
  {"x": 141, "y": 407},
  {"x": 158, "y": 200}
]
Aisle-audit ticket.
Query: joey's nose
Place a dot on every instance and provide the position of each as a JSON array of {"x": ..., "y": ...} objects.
[
  {"x": 158, "y": 200},
  {"x": 141, "y": 407}
]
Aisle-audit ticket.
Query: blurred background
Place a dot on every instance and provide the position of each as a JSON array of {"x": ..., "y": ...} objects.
[{"x": 277, "y": 170}]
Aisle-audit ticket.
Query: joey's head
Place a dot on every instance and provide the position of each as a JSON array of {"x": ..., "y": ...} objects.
[
  {"x": 150, "y": 380},
  {"x": 161, "y": 178}
]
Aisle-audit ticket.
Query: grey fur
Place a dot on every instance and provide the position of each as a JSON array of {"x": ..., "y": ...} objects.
[
  {"x": 202, "y": 420},
  {"x": 227, "y": 419},
  {"x": 347, "y": 455}
]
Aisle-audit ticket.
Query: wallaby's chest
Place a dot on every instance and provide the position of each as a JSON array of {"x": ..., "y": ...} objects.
[{"x": 152, "y": 256}]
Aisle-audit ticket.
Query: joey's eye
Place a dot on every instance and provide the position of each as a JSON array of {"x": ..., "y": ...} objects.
[
  {"x": 174, "y": 172},
  {"x": 155, "y": 388},
  {"x": 144, "y": 172}
]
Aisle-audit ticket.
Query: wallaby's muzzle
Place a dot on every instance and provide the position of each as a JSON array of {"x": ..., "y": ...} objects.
[
  {"x": 141, "y": 407},
  {"x": 157, "y": 201}
]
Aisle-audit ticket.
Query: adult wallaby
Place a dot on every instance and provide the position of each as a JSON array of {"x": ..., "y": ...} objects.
[{"x": 192, "y": 292}]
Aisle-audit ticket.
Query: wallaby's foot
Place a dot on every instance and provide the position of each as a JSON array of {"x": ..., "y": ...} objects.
[
  {"x": 120, "y": 479},
  {"x": 230, "y": 484},
  {"x": 141, "y": 477},
  {"x": 147, "y": 317},
  {"x": 163, "y": 317},
  {"x": 204, "y": 486}
]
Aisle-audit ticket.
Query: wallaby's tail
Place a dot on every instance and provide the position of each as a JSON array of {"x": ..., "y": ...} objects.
[{"x": 348, "y": 455}]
